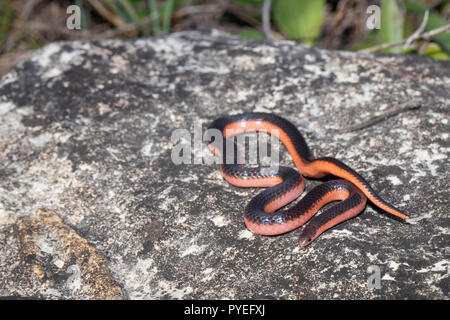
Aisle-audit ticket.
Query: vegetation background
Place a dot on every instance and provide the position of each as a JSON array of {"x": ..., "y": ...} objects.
[{"x": 407, "y": 26}]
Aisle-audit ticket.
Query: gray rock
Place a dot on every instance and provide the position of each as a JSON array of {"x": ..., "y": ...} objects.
[{"x": 92, "y": 205}]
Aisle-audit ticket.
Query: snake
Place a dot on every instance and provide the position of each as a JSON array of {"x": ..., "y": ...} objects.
[{"x": 264, "y": 214}]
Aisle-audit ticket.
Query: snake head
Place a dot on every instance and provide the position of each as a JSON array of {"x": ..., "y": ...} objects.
[
  {"x": 307, "y": 236},
  {"x": 304, "y": 241}
]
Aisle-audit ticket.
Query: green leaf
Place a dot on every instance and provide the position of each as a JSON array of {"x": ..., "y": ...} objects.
[
  {"x": 167, "y": 15},
  {"x": 392, "y": 18},
  {"x": 252, "y": 34},
  {"x": 129, "y": 10},
  {"x": 6, "y": 20},
  {"x": 443, "y": 38},
  {"x": 299, "y": 19},
  {"x": 434, "y": 21},
  {"x": 433, "y": 50},
  {"x": 416, "y": 5},
  {"x": 248, "y": 2},
  {"x": 117, "y": 8},
  {"x": 155, "y": 16},
  {"x": 367, "y": 41}
]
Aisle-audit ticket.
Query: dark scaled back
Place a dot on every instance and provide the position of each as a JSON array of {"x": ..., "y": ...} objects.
[
  {"x": 254, "y": 211},
  {"x": 296, "y": 137},
  {"x": 290, "y": 177}
]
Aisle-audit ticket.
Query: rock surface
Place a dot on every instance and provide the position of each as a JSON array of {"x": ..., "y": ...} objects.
[{"x": 92, "y": 205}]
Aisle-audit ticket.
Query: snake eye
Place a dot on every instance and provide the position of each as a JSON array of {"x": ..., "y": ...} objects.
[{"x": 303, "y": 241}]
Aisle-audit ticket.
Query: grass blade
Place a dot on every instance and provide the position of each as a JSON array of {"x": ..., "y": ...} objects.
[
  {"x": 299, "y": 19},
  {"x": 392, "y": 19},
  {"x": 167, "y": 15},
  {"x": 155, "y": 17}
]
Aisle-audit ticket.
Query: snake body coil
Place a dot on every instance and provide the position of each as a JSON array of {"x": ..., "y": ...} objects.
[{"x": 286, "y": 184}]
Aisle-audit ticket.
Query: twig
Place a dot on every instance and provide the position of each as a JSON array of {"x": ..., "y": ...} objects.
[
  {"x": 266, "y": 19},
  {"x": 243, "y": 15},
  {"x": 418, "y": 35},
  {"x": 28, "y": 8},
  {"x": 418, "y": 32},
  {"x": 108, "y": 15},
  {"x": 411, "y": 105},
  {"x": 219, "y": 9},
  {"x": 125, "y": 28},
  {"x": 382, "y": 46},
  {"x": 430, "y": 34},
  {"x": 197, "y": 9}
]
